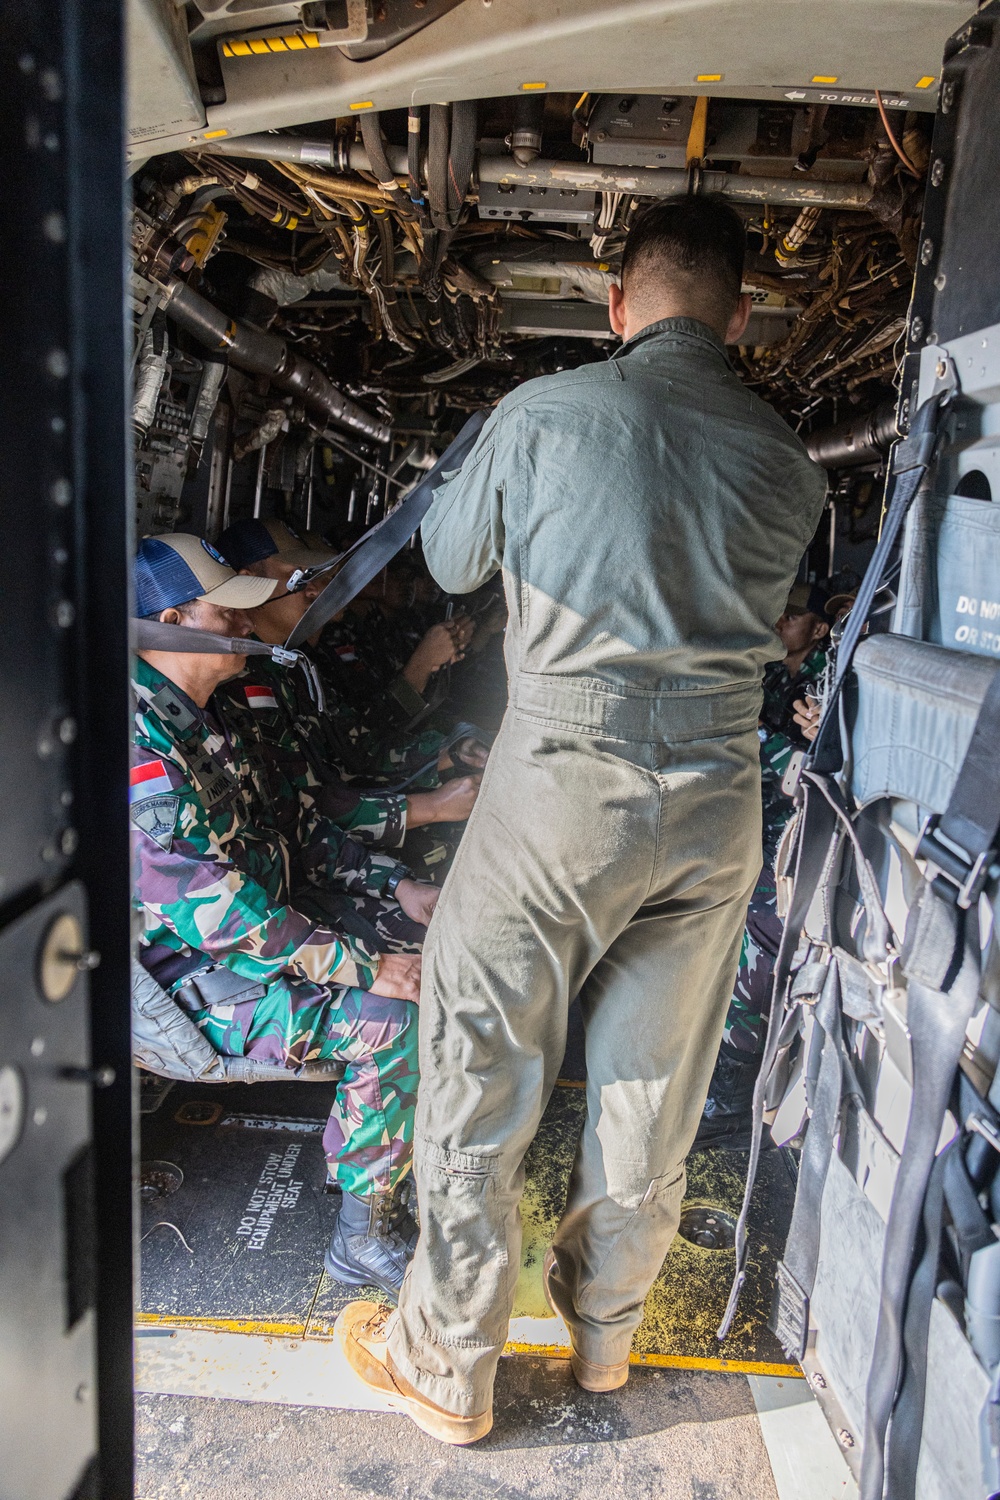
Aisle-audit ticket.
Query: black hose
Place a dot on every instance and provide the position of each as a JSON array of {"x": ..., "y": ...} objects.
[
  {"x": 371, "y": 134},
  {"x": 413, "y": 154},
  {"x": 526, "y": 137},
  {"x": 263, "y": 353},
  {"x": 461, "y": 155},
  {"x": 437, "y": 164},
  {"x": 859, "y": 440}
]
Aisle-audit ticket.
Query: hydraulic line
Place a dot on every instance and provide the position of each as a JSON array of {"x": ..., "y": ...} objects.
[
  {"x": 371, "y": 134},
  {"x": 526, "y": 136},
  {"x": 652, "y": 182},
  {"x": 262, "y": 353},
  {"x": 437, "y": 164},
  {"x": 413, "y": 155},
  {"x": 461, "y": 155},
  {"x": 860, "y": 440}
]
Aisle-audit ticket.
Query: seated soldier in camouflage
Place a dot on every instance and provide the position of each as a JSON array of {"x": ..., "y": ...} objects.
[
  {"x": 804, "y": 629},
  {"x": 331, "y": 741},
  {"x": 365, "y": 719},
  {"x": 255, "y": 966}
]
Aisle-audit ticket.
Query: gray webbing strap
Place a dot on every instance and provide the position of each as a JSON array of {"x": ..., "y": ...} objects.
[
  {"x": 153, "y": 635},
  {"x": 908, "y": 1418},
  {"x": 825, "y": 821},
  {"x": 815, "y": 833},
  {"x": 377, "y": 547},
  {"x": 942, "y": 989}
]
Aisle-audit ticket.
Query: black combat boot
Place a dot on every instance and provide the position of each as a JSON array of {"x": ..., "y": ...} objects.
[
  {"x": 372, "y": 1241},
  {"x": 727, "y": 1120}
]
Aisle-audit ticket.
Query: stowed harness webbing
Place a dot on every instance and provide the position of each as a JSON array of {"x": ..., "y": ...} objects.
[{"x": 818, "y": 823}]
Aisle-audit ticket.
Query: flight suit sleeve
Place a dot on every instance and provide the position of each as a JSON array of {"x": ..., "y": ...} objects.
[
  {"x": 463, "y": 531},
  {"x": 184, "y": 879}
]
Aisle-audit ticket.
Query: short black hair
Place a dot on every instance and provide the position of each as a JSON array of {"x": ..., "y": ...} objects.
[{"x": 696, "y": 237}]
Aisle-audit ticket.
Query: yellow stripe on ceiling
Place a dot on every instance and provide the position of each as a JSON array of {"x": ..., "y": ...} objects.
[
  {"x": 824, "y": 78},
  {"x": 926, "y": 81}
]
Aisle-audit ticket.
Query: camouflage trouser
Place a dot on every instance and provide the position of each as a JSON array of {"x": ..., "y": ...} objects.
[
  {"x": 746, "y": 1022},
  {"x": 368, "y": 1138}
]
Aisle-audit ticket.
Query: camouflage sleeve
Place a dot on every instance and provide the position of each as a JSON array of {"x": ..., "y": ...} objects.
[
  {"x": 330, "y": 857},
  {"x": 776, "y": 750},
  {"x": 185, "y": 880},
  {"x": 371, "y": 817}
]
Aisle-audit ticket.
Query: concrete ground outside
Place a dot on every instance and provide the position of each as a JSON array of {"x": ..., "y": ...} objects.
[{"x": 667, "y": 1435}]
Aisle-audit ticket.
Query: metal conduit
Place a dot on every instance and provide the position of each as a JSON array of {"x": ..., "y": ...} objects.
[
  {"x": 262, "y": 353},
  {"x": 652, "y": 182}
]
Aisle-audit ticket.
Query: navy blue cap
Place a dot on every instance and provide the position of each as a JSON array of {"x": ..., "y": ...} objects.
[
  {"x": 174, "y": 569},
  {"x": 246, "y": 542}
]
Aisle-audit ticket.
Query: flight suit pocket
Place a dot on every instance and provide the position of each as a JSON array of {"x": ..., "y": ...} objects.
[{"x": 463, "y": 1228}]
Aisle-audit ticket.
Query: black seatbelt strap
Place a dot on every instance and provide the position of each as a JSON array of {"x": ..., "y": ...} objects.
[
  {"x": 912, "y": 458},
  {"x": 377, "y": 547}
]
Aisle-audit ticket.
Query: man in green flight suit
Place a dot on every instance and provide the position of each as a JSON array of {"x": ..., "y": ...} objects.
[
  {"x": 256, "y": 969},
  {"x": 648, "y": 514}
]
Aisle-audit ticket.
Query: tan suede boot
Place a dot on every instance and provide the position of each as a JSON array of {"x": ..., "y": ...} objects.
[
  {"x": 363, "y": 1334},
  {"x": 589, "y": 1376}
]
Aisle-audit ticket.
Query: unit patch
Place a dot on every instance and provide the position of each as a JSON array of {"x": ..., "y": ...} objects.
[{"x": 157, "y": 816}]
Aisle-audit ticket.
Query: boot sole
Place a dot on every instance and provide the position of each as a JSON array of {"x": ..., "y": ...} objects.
[
  {"x": 445, "y": 1426},
  {"x": 458, "y": 1431},
  {"x": 589, "y": 1377}
]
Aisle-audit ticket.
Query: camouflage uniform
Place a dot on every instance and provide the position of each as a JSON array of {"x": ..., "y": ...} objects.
[
  {"x": 779, "y": 735},
  {"x": 216, "y": 857},
  {"x": 373, "y": 716}
]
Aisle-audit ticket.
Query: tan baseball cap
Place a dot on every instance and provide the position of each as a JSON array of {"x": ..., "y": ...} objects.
[{"x": 179, "y": 567}]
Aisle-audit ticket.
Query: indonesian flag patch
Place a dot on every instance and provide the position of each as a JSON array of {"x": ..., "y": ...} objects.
[
  {"x": 346, "y": 653},
  {"x": 149, "y": 780},
  {"x": 260, "y": 697}
]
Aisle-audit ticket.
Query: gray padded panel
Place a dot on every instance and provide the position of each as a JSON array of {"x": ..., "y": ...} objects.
[
  {"x": 916, "y": 709},
  {"x": 845, "y": 1309}
]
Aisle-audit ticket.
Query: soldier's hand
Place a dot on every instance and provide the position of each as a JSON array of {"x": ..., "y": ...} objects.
[
  {"x": 417, "y": 900},
  {"x": 451, "y": 803},
  {"x": 440, "y": 646},
  {"x": 807, "y": 716},
  {"x": 398, "y": 976},
  {"x": 472, "y": 752}
]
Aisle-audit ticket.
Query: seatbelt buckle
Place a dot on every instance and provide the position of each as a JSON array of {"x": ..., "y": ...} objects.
[
  {"x": 283, "y": 656},
  {"x": 298, "y": 580},
  {"x": 964, "y": 878}
]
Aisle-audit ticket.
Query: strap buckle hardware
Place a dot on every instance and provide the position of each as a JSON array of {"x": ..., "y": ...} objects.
[
  {"x": 283, "y": 656},
  {"x": 965, "y": 878},
  {"x": 298, "y": 580}
]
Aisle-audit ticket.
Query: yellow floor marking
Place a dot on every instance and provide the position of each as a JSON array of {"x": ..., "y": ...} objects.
[
  {"x": 672, "y": 1361},
  {"x": 221, "y": 1325}
]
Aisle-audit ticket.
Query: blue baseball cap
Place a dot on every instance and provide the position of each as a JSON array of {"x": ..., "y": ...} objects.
[
  {"x": 250, "y": 541},
  {"x": 174, "y": 569}
]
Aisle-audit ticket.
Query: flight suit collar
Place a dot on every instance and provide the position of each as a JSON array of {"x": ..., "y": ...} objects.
[{"x": 674, "y": 330}]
